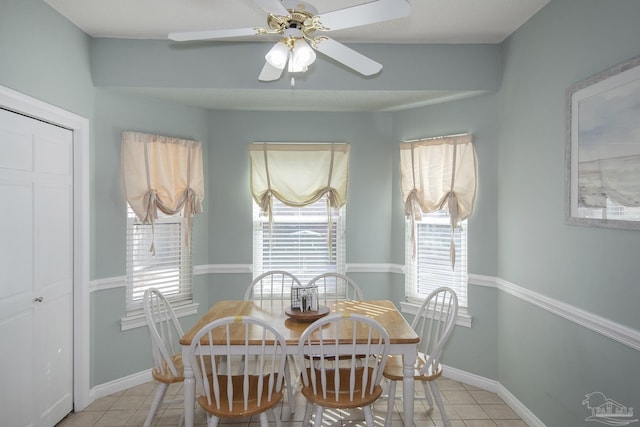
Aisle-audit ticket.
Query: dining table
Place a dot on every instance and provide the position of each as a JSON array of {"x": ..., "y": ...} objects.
[{"x": 403, "y": 339}]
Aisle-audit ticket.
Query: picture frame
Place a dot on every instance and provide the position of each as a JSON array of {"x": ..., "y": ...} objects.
[{"x": 602, "y": 149}]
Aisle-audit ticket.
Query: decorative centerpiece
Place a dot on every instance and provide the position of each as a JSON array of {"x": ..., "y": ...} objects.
[{"x": 304, "y": 304}]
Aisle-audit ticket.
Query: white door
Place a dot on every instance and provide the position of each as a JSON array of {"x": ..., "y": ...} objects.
[{"x": 36, "y": 271}]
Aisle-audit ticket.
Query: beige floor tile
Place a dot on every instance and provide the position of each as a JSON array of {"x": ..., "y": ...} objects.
[
  {"x": 457, "y": 397},
  {"x": 115, "y": 418},
  {"x": 471, "y": 412},
  {"x": 483, "y": 397},
  {"x": 480, "y": 423},
  {"x": 500, "y": 412},
  {"x": 447, "y": 384},
  {"x": 128, "y": 402},
  {"x": 510, "y": 423},
  {"x": 102, "y": 404},
  {"x": 466, "y": 406},
  {"x": 82, "y": 419}
]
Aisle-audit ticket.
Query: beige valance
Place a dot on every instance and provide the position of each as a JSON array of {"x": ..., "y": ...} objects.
[
  {"x": 162, "y": 173},
  {"x": 439, "y": 173},
  {"x": 299, "y": 174}
]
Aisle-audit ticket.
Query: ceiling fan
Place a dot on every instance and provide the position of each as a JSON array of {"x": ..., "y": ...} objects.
[{"x": 297, "y": 22}]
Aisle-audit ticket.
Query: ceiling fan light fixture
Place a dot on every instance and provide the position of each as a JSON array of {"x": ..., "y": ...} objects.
[
  {"x": 302, "y": 56},
  {"x": 278, "y": 55}
]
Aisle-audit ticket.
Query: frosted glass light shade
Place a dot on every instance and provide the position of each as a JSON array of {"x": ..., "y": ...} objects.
[
  {"x": 303, "y": 56},
  {"x": 278, "y": 55}
]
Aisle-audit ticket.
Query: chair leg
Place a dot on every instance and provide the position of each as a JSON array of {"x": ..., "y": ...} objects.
[
  {"x": 307, "y": 414},
  {"x": 438, "y": 399},
  {"x": 212, "y": 421},
  {"x": 391, "y": 401},
  {"x": 290, "y": 395},
  {"x": 368, "y": 415},
  {"x": 275, "y": 417},
  {"x": 318, "y": 420},
  {"x": 157, "y": 400},
  {"x": 427, "y": 395},
  {"x": 264, "y": 419}
]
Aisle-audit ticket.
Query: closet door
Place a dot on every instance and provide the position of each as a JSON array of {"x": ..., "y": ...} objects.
[{"x": 36, "y": 271}]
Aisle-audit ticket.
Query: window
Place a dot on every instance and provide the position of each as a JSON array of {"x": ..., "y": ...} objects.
[
  {"x": 169, "y": 270},
  {"x": 431, "y": 266},
  {"x": 296, "y": 241}
]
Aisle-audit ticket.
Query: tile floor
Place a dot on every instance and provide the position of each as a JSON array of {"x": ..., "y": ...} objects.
[{"x": 466, "y": 406}]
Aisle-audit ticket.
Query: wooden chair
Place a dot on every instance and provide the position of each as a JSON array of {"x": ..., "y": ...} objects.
[
  {"x": 350, "y": 382},
  {"x": 434, "y": 324},
  {"x": 274, "y": 284},
  {"x": 165, "y": 331},
  {"x": 335, "y": 286},
  {"x": 257, "y": 389}
]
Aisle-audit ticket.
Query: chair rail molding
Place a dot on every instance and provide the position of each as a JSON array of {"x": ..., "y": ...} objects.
[{"x": 606, "y": 327}]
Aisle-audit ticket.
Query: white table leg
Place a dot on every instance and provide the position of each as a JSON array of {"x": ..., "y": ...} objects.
[
  {"x": 189, "y": 388},
  {"x": 408, "y": 385}
]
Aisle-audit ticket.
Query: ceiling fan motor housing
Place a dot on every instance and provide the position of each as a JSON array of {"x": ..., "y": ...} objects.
[{"x": 300, "y": 17}]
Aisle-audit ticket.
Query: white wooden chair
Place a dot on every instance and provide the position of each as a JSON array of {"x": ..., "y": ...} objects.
[
  {"x": 335, "y": 286},
  {"x": 257, "y": 389},
  {"x": 274, "y": 284},
  {"x": 434, "y": 323},
  {"x": 165, "y": 331},
  {"x": 351, "y": 382}
]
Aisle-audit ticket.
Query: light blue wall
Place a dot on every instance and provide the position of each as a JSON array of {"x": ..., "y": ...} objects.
[
  {"x": 369, "y": 134},
  {"x": 546, "y": 361},
  {"x": 517, "y": 232},
  {"x": 44, "y": 56},
  {"x": 117, "y": 354},
  {"x": 478, "y": 116}
]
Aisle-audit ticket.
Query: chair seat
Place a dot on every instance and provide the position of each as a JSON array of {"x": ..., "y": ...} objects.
[
  {"x": 342, "y": 400},
  {"x": 393, "y": 368},
  {"x": 237, "y": 409},
  {"x": 166, "y": 376}
]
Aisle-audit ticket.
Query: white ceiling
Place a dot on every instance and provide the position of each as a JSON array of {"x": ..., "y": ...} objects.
[{"x": 431, "y": 21}]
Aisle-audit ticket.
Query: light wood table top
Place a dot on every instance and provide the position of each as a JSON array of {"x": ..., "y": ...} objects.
[{"x": 273, "y": 312}]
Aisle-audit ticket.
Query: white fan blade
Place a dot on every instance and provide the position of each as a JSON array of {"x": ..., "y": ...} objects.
[
  {"x": 364, "y": 14},
  {"x": 273, "y": 6},
  {"x": 213, "y": 34},
  {"x": 270, "y": 73},
  {"x": 349, "y": 57}
]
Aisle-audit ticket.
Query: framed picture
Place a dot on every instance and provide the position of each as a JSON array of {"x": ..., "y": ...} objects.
[{"x": 603, "y": 149}]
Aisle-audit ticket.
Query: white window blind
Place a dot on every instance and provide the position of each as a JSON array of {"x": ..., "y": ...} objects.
[
  {"x": 431, "y": 266},
  {"x": 296, "y": 240},
  {"x": 169, "y": 270}
]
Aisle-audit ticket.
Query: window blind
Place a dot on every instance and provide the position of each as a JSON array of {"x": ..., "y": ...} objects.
[
  {"x": 296, "y": 240},
  {"x": 169, "y": 270},
  {"x": 431, "y": 266}
]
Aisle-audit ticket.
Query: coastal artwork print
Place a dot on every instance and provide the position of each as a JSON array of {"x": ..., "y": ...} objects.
[{"x": 603, "y": 148}]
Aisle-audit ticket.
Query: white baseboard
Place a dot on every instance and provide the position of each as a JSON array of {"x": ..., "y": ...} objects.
[
  {"x": 120, "y": 384},
  {"x": 494, "y": 387}
]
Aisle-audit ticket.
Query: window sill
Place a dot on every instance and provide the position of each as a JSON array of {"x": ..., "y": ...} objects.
[
  {"x": 138, "y": 320},
  {"x": 464, "y": 318}
]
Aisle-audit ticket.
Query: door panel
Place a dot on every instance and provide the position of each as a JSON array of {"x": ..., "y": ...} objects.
[
  {"x": 36, "y": 270},
  {"x": 16, "y": 411}
]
